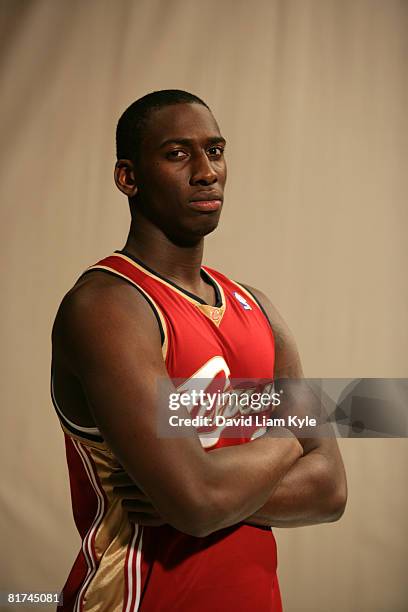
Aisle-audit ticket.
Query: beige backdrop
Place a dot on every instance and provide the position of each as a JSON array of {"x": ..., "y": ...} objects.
[{"x": 312, "y": 97}]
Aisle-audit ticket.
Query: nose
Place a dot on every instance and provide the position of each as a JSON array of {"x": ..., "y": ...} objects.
[{"x": 203, "y": 172}]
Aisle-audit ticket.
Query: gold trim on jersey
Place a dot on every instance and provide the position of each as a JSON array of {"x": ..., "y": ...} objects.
[
  {"x": 214, "y": 313},
  {"x": 108, "y": 539},
  {"x": 159, "y": 312},
  {"x": 216, "y": 317}
]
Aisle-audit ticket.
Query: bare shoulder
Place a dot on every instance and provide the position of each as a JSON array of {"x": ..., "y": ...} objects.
[
  {"x": 99, "y": 307},
  {"x": 288, "y": 362}
]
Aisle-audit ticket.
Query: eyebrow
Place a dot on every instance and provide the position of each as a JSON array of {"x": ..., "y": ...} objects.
[{"x": 189, "y": 141}]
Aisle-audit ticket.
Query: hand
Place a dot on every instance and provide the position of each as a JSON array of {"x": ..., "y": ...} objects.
[{"x": 136, "y": 503}]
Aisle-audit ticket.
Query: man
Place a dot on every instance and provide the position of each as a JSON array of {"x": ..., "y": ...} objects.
[{"x": 167, "y": 522}]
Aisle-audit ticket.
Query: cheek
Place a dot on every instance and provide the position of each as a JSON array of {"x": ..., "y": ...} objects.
[
  {"x": 168, "y": 181},
  {"x": 221, "y": 169}
]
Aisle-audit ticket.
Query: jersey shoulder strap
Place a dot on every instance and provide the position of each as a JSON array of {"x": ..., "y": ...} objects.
[{"x": 117, "y": 265}]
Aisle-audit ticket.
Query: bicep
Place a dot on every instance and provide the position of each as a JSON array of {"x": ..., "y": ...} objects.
[
  {"x": 299, "y": 400},
  {"x": 114, "y": 348},
  {"x": 287, "y": 359}
]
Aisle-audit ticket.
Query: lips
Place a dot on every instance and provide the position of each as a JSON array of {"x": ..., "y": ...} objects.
[{"x": 206, "y": 202}]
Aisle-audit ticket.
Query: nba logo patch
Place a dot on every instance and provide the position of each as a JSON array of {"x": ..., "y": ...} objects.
[{"x": 242, "y": 301}]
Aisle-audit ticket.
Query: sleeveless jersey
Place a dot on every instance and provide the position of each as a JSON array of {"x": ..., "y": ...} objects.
[{"x": 125, "y": 567}]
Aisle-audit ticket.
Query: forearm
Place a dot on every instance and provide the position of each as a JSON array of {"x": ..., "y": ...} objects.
[
  {"x": 312, "y": 491},
  {"x": 243, "y": 477},
  {"x": 235, "y": 482}
]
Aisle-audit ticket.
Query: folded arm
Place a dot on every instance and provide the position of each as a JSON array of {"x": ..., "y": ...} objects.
[
  {"x": 106, "y": 340},
  {"x": 314, "y": 489}
]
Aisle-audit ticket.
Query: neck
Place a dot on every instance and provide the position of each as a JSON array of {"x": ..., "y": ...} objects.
[{"x": 180, "y": 264}]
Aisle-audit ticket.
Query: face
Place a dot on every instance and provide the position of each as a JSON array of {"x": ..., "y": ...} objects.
[{"x": 178, "y": 181}]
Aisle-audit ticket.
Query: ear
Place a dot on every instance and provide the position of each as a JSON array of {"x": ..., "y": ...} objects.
[{"x": 125, "y": 177}]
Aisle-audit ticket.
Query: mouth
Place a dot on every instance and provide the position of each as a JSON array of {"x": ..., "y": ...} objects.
[{"x": 207, "y": 203}]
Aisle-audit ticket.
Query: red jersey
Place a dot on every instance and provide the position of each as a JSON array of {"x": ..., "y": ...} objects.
[{"x": 125, "y": 567}]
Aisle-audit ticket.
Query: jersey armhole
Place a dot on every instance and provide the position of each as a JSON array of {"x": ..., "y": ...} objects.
[{"x": 92, "y": 433}]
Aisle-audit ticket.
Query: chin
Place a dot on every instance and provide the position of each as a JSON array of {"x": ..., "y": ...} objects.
[{"x": 191, "y": 235}]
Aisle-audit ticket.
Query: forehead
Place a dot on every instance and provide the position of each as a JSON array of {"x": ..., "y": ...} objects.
[{"x": 180, "y": 121}]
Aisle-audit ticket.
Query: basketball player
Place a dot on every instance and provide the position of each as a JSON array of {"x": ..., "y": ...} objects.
[{"x": 176, "y": 523}]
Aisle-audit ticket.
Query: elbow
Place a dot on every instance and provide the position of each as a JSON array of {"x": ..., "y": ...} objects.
[
  {"x": 336, "y": 507},
  {"x": 331, "y": 490},
  {"x": 336, "y": 501}
]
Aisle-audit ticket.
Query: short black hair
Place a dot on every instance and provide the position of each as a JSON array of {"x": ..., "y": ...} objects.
[{"x": 129, "y": 131}]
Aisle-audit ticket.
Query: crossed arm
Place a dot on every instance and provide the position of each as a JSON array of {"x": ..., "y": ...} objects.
[
  {"x": 99, "y": 330},
  {"x": 314, "y": 490}
]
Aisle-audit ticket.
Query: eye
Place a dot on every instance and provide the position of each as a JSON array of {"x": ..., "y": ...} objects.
[
  {"x": 217, "y": 151},
  {"x": 176, "y": 154}
]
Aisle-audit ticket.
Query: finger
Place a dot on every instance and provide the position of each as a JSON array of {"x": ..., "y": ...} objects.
[
  {"x": 131, "y": 505},
  {"x": 130, "y": 492},
  {"x": 145, "y": 519},
  {"x": 120, "y": 479}
]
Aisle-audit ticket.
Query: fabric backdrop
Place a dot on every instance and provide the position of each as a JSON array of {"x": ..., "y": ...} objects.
[{"x": 312, "y": 98}]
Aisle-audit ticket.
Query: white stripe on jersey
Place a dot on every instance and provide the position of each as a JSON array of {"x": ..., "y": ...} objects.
[{"x": 134, "y": 586}]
